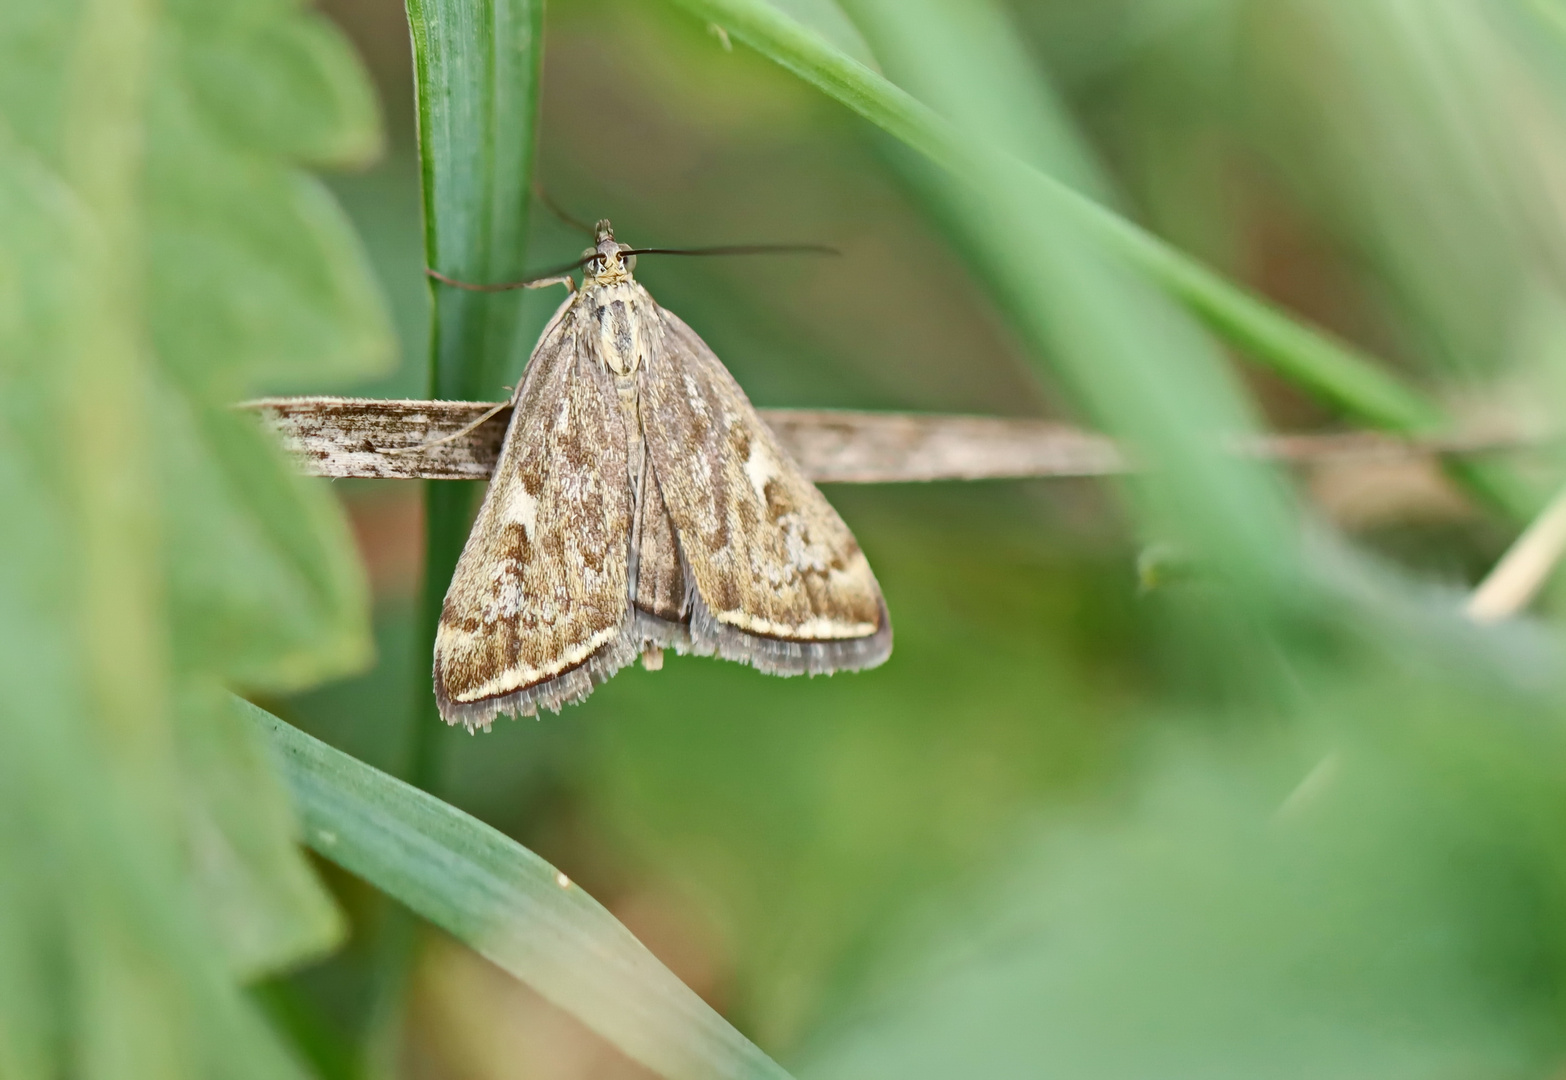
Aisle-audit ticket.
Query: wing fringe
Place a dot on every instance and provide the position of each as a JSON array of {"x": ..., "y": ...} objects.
[{"x": 571, "y": 686}]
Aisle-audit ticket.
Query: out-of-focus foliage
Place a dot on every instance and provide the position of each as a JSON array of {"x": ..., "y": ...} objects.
[
  {"x": 1379, "y": 896},
  {"x": 160, "y": 257},
  {"x": 1069, "y": 828}
]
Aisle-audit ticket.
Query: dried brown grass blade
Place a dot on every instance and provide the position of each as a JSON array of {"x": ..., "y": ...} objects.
[{"x": 396, "y": 439}]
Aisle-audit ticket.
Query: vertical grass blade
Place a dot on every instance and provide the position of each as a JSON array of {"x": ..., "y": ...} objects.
[
  {"x": 476, "y": 66},
  {"x": 476, "y": 73},
  {"x": 509, "y": 905}
]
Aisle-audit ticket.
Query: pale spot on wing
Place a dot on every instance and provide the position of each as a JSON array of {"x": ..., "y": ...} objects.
[
  {"x": 760, "y": 467},
  {"x": 695, "y": 400},
  {"x": 803, "y": 556},
  {"x": 522, "y": 509},
  {"x": 505, "y": 599}
]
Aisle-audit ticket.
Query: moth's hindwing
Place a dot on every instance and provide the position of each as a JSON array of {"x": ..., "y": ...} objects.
[
  {"x": 776, "y": 579},
  {"x": 537, "y": 613}
]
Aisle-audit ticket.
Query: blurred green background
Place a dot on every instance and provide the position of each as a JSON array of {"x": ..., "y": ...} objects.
[{"x": 1072, "y": 828}]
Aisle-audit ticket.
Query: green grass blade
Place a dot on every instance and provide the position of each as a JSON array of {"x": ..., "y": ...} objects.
[
  {"x": 509, "y": 905},
  {"x": 477, "y": 68},
  {"x": 1331, "y": 369},
  {"x": 968, "y": 61},
  {"x": 1132, "y": 360},
  {"x": 476, "y": 73}
]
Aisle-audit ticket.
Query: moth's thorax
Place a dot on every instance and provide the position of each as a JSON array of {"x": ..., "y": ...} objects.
[{"x": 620, "y": 322}]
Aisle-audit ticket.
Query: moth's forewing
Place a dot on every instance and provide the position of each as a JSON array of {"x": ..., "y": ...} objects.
[
  {"x": 776, "y": 579},
  {"x": 537, "y": 612}
]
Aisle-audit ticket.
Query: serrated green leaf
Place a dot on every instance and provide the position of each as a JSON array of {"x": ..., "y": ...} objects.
[
  {"x": 268, "y": 907},
  {"x": 508, "y": 904},
  {"x": 260, "y": 563},
  {"x": 159, "y": 259},
  {"x": 108, "y": 965},
  {"x": 285, "y": 87}
]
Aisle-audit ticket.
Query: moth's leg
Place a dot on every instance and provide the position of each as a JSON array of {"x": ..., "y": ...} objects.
[
  {"x": 543, "y": 283},
  {"x": 465, "y": 429},
  {"x": 564, "y": 279}
]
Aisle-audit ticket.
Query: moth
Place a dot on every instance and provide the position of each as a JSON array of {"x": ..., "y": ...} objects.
[{"x": 640, "y": 504}]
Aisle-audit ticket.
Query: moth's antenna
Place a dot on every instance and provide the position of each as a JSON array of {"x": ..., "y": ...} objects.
[
  {"x": 553, "y": 276},
  {"x": 741, "y": 249},
  {"x": 554, "y": 208}
]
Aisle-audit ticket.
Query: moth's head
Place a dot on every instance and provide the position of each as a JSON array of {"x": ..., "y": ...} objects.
[{"x": 604, "y": 264}]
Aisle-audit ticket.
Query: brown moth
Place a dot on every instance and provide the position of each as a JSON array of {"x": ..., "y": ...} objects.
[{"x": 640, "y": 504}]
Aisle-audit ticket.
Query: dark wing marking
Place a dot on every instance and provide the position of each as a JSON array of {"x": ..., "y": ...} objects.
[
  {"x": 537, "y": 612},
  {"x": 777, "y": 579}
]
